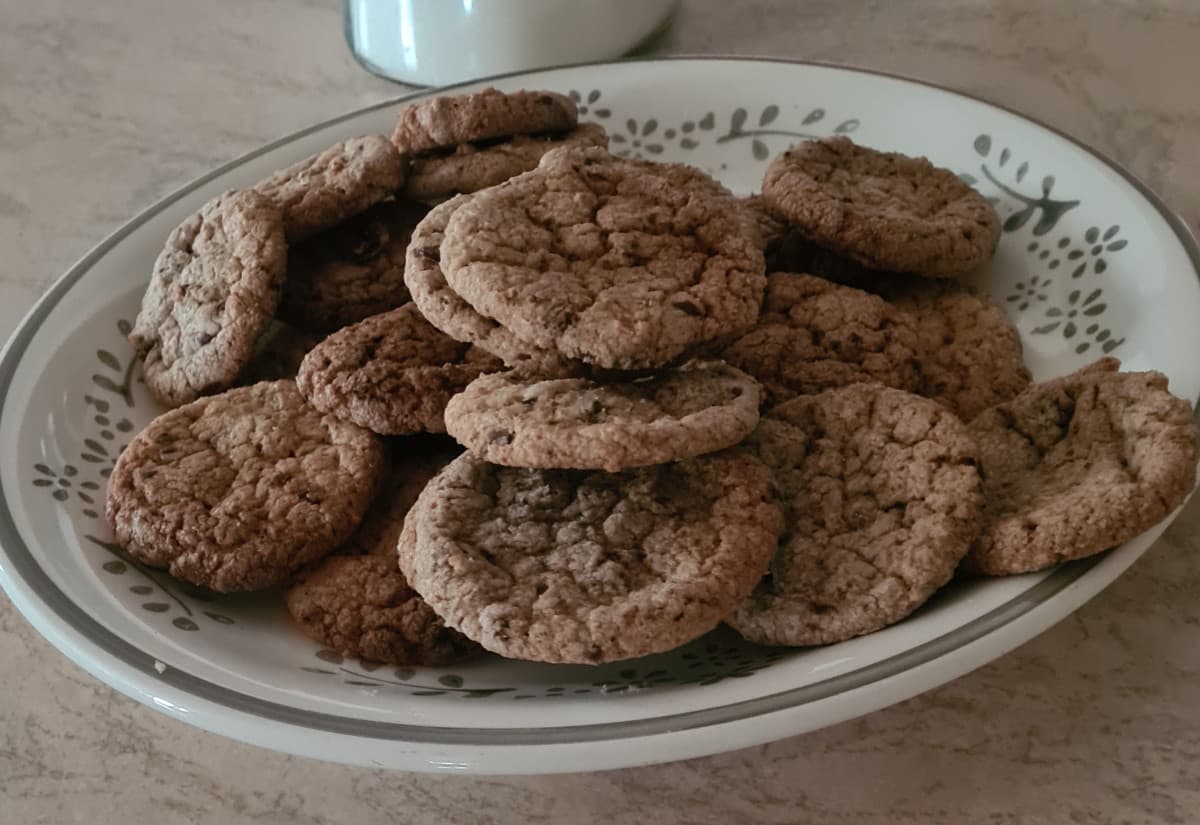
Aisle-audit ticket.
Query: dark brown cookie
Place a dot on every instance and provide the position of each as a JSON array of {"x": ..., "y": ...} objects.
[
  {"x": 881, "y": 498},
  {"x": 575, "y": 423},
  {"x": 278, "y": 353},
  {"x": 450, "y": 120},
  {"x": 214, "y": 289},
  {"x": 352, "y": 271},
  {"x": 970, "y": 353},
  {"x": 392, "y": 373},
  {"x": 1080, "y": 464},
  {"x": 814, "y": 335},
  {"x": 578, "y": 566},
  {"x": 622, "y": 264},
  {"x": 237, "y": 491},
  {"x": 362, "y": 606},
  {"x": 320, "y": 192},
  {"x": 446, "y": 310},
  {"x": 474, "y": 166},
  {"x": 885, "y": 210}
]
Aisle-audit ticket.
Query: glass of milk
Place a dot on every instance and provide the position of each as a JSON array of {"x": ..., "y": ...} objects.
[{"x": 436, "y": 42}]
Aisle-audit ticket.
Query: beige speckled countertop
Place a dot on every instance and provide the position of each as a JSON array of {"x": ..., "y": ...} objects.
[{"x": 104, "y": 107}]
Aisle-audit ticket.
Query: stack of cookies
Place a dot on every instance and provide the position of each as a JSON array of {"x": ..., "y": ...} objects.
[{"x": 678, "y": 407}]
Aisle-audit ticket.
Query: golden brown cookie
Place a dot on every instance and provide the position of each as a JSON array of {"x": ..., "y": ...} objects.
[{"x": 1079, "y": 464}]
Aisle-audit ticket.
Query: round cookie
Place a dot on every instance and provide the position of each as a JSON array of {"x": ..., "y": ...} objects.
[
  {"x": 392, "y": 373},
  {"x": 970, "y": 353},
  {"x": 622, "y": 264},
  {"x": 883, "y": 209},
  {"x": 1079, "y": 464},
  {"x": 414, "y": 461},
  {"x": 589, "y": 567},
  {"x": 362, "y": 606},
  {"x": 576, "y": 423},
  {"x": 814, "y": 335},
  {"x": 352, "y": 271},
  {"x": 321, "y": 191},
  {"x": 881, "y": 500},
  {"x": 213, "y": 291},
  {"x": 449, "y": 120},
  {"x": 236, "y": 491},
  {"x": 447, "y": 311},
  {"x": 473, "y": 166}
]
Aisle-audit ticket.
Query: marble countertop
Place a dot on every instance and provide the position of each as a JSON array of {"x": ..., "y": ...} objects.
[{"x": 105, "y": 107}]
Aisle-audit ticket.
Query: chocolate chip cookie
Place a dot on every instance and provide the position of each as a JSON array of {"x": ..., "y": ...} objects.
[
  {"x": 238, "y": 490},
  {"x": 885, "y": 210},
  {"x": 1079, "y": 464},
  {"x": 576, "y": 423},
  {"x": 447, "y": 311},
  {"x": 881, "y": 498},
  {"x": 320, "y": 192},
  {"x": 474, "y": 166},
  {"x": 969, "y": 352},
  {"x": 392, "y": 373},
  {"x": 450, "y": 120},
  {"x": 622, "y": 264},
  {"x": 588, "y": 567},
  {"x": 213, "y": 291},
  {"x": 362, "y": 606},
  {"x": 352, "y": 271},
  {"x": 814, "y": 335}
]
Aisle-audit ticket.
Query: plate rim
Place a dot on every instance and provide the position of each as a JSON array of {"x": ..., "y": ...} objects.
[{"x": 105, "y": 648}]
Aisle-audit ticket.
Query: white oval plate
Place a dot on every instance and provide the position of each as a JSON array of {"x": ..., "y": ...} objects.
[{"x": 1090, "y": 263}]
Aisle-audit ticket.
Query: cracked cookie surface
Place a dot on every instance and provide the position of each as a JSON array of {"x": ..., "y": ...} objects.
[
  {"x": 392, "y": 373},
  {"x": 970, "y": 354},
  {"x": 585, "y": 566},
  {"x": 450, "y": 120},
  {"x": 213, "y": 291},
  {"x": 881, "y": 499},
  {"x": 447, "y": 310},
  {"x": 238, "y": 490},
  {"x": 362, "y": 606},
  {"x": 623, "y": 264},
  {"x": 474, "y": 166},
  {"x": 576, "y": 423},
  {"x": 883, "y": 209},
  {"x": 321, "y": 191},
  {"x": 814, "y": 335},
  {"x": 1079, "y": 464}
]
